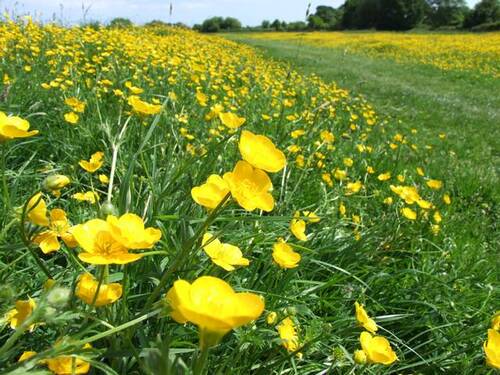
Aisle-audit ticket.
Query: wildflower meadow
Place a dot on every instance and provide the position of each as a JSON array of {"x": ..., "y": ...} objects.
[{"x": 177, "y": 203}]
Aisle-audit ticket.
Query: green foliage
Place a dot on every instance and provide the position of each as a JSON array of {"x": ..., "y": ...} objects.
[
  {"x": 447, "y": 13},
  {"x": 486, "y": 11},
  {"x": 120, "y": 23},
  {"x": 325, "y": 18},
  {"x": 216, "y": 24},
  {"x": 400, "y": 14}
]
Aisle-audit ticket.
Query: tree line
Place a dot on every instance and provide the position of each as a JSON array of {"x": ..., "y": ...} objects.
[{"x": 381, "y": 15}]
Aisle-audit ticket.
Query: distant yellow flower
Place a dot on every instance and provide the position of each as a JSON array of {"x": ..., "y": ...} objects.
[
  {"x": 388, "y": 200},
  {"x": 143, "y": 108},
  {"x": 213, "y": 306},
  {"x": 75, "y": 104},
  {"x": 288, "y": 334},
  {"x": 103, "y": 179},
  {"x": 377, "y": 349},
  {"x": 211, "y": 193},
  {"x": 129, "y": 230},
  {"x": 437, "y": 217},
  {"x": 223, "y": 254},
  {"x": 446, "y": 199},
  {"x": 340, "y": 174},
  {"x": 284, "y": 255},
  {"x": 353, "y": 187},
  {"x": 231, "y": 120},
  {"x": 271, "y": 318},
  {"x": 36, "y": 210},
  {"x": 94, "y": 163},
  {"x": 297, "y": 133},
  {"x": 250, "y": 187},
  {"x": 424, "y": 204},
  {"x": 434, "y": 184},
  {"x": 68, "y": 364},
  {"x": 12, "y": 127},
  {"x": 86, "y": 289},
  {"x": 492, "y": 349},
  {"x": 409, "y": 213},
  {"x": 71, "y": 117},
  {"x": 364, "y": 320},
  {"x": 133, "y": 89},
  {"x": 59, "y": 227},
  {"x": 342, "y": 209},
  {"x": 20, "y": 313},
  {"x": 260, "y": 151},
  {"x": 408, "y": 193},
  {"x": 384, "y": 176},
  {"x": 348, "y": 162},
  {"x": 420, "y": 171},
  {"x": 298, "y": 227},
  {"x": 327, "y": 136},
  {"x": 88, "y": 196},
  {"x": 370, "y": 170}
]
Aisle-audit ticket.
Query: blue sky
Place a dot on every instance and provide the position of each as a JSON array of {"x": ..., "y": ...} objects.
[{"x": 250, "y": 12}]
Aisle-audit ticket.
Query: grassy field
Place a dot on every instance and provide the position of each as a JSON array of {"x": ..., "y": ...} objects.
[{"x": 309, "y": 180}]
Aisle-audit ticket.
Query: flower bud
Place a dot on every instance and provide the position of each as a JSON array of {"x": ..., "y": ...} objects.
[
  {"x": 271, "y": 318},
  {"x": 108, "y": 209},
  {"x": 360, "y": 357},
  {"x": 58, "y": 296},
  {"x": 55, "y": 182}
]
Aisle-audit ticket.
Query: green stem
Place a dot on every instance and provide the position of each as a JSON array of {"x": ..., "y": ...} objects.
[
  {"x": 201, "y": 360},
  {"x": 184, "y": 253},
  {"x": 5, "y": 189}
]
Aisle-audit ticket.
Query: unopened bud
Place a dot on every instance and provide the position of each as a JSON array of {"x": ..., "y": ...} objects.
[
  {"x": 108, "y": 209},
  {"x": 58, "y": 296},
  {"x": 55, "y": 182},
  {"x": 360, "y": 357}
]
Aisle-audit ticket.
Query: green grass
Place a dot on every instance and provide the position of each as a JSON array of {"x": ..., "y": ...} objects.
[{"x": 447, "y": 287}]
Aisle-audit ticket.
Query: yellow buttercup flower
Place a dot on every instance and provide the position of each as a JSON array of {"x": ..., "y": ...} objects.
[
  {"x": 298, "y": 227},
  {"x": 88, "y": 196},
  {"x": 26, "y": 355},
  {"x": 75, "y": 104},
  {"x": 20, "y": 313},
  {"x": 446, "y": 199},
  {"x": 211, "y": 193},
  {"x": 68, "y": 364},
  {"x": 143, "y": 108},
  {"x": 409, "y": 213},
  {"x": 250, "y": 187},
  {"x": 94, "y": 163},
  {"x": 36, "y": 210},
  {"x": 231, "y": 120},
  {"x": 377, "y": 349},
  {"x": 133, "y": 89},
  {"x": 434, "y": 184},
  {"x": 384, "y": 176},
  {"x": 408, "y": 193},
  {"x": 213, "y": 306},
  {"x": 59, "y": 227},
  {"x": 364, "y": 320},
  {"x": 86, "y": 289},
  {"x": 99, "y": 246},
  {"x": 71, "y": 117},
  {"x": 12, "y": 127},
  {"x": 129, "y": 230},
  {"x": 271, "y": 318},
  {"x": 311, "y": 217},
  {"x": 353, "y": 187},
  {"x": 492, "y": 349},
  {"x": 260, "y": 151},
  {"x": 284, "y": 255},
  {"x": 288, "y": 334},
  {"x": 223, "y": 254}
]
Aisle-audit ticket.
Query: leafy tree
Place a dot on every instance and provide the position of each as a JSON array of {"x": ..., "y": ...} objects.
[
  {"x": 325, "y": 17},
  {"x": 266, "y": 24},
  {"x": 297, "y": 26},
  {"x": 400, "y": 14},
  {"x": 211, "y": 25},
  {"x": 276, "y": 25},
  {"x": 120, "y": 23},
  {"x": 315, "y": 22},
  {"x": 230, "y": 23},
  {"x": 447, "y": 12},
  {"x": 486, "y": 11}
]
